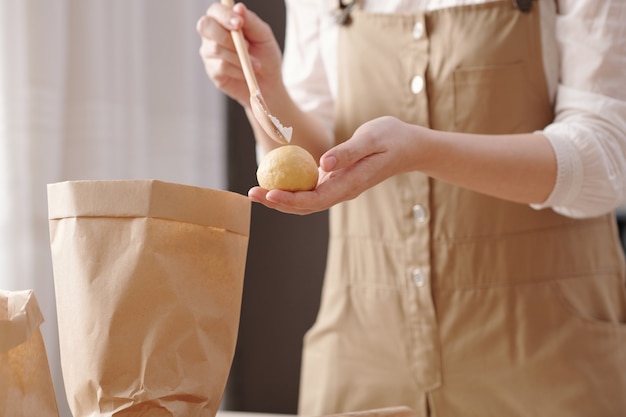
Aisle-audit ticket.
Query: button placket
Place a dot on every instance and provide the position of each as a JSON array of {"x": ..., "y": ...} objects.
[
  {"x": 418, "y": 275},
  {"x": 419, "y": 299},
  {"x": 417, "y": 83}
]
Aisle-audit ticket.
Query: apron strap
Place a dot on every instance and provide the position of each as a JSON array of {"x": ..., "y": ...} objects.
[
  {"x": 524, "y": 5},
  {"x": 342, "y": 14}
]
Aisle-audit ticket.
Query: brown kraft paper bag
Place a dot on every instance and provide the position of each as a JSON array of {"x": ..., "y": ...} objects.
[
  {"x": 26, "y": 388},
  {"x": 148, "y": 278}
]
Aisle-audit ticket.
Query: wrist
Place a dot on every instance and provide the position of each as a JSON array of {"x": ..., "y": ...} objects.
[{"x": 420, "y": 149}]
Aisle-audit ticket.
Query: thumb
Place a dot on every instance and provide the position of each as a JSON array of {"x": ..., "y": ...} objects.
[
  {"x": 254, "y": 28},
  {"x": 342, "y": 156}
]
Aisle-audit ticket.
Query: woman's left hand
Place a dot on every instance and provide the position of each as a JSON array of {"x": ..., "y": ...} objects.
[{"x": 378, "y": 149}]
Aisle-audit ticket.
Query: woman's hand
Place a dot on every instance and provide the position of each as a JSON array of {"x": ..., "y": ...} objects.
[
  {"x": 519, "y": 167},
  {"x": 220, "y": 58},
  {"x": 378, "y": 150},
  {"x": 224, "y": 69}
]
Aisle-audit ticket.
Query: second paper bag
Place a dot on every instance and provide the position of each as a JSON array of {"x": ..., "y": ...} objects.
[{"x": 148, "y": 278}]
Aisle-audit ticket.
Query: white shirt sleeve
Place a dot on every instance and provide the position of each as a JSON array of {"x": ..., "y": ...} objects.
[
  {"x": 589, "y": 131},
  {"x": 305, "y": 60}
]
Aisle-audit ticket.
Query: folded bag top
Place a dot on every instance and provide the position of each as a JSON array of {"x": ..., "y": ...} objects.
[
  {"x": 150, "y": 198},
  {"x": 20, "y": 317}
]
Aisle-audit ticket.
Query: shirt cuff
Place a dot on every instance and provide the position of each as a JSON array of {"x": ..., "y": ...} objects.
[{"x": 569, "y": 177}]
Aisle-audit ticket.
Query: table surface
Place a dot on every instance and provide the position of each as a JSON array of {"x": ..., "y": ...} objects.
[{"x": 227, "y": 413}]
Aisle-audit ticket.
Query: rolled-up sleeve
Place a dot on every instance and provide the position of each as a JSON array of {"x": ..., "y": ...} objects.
[{"x": 589, "y": 132}]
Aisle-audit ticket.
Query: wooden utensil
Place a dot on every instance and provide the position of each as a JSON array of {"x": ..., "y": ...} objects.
[{"x": 270, "y": 124}]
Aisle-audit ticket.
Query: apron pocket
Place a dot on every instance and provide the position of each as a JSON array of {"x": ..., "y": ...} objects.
[
  {"x": 598, "y": 300},
  {"x": 527, "y": 349}
]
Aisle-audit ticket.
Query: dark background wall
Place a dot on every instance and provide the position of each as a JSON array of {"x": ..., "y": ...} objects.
[{"x": 284, "y": 271}]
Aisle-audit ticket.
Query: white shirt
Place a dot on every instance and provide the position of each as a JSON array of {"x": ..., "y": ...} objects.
[{"x": 584, "y": 51}]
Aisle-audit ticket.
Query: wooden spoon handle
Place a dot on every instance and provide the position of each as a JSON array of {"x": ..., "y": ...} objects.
[{"x": 244, "y": 56}]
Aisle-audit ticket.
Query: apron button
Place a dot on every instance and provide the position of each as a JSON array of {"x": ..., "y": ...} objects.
[
  {"x": 417, "y": 84},
  {"x": 418, "y": 277},
  {"x": 419, "y": 213},
  {"x": 418, "y": 30}
]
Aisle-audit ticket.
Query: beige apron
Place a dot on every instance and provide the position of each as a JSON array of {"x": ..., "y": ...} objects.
[{"x": 446, "y": 300}]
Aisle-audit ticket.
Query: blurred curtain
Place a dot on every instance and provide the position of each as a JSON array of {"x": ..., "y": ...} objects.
[{"x": 96, "y": 89}]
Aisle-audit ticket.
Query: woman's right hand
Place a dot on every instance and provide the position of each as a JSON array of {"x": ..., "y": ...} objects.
[
  {"x": 220, "y": 57},
  {"x": 224, "y": 69}
]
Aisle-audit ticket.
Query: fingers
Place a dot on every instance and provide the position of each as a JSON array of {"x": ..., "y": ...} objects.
[
  {"x": 220, "y": 61},
  {"x": 331, "y": 190},
  {"x": 279, "y": 200},
  {"x": 218, "y": 54},
  {"x": 211, "y": 29},
  {"x": 217, "y": 50},
  {"x": 214, "y": 29},
  {"x": 228, "y": 18},
  {"x": 220, "y": 58},
  {"x": 238, "y": 17}
]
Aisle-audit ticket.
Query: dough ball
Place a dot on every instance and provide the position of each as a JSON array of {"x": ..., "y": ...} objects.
[{"x": 289, "y": 168}]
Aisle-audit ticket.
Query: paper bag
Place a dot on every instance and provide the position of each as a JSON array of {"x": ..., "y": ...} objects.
[
  {"x": 26, "y": 388},
  {"x": 148, "y": 278}
]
